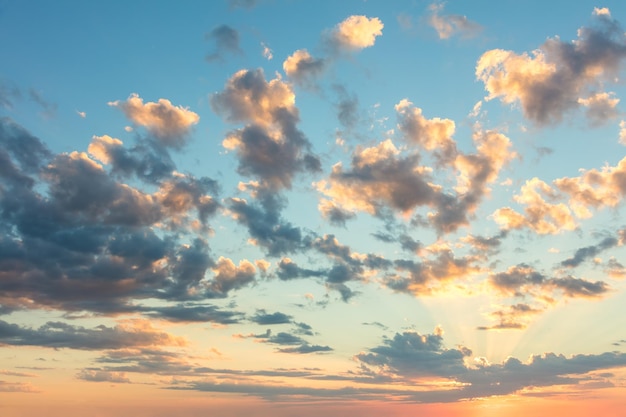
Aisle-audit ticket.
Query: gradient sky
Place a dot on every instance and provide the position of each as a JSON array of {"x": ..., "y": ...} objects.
[{"x": 279, "y": 208}]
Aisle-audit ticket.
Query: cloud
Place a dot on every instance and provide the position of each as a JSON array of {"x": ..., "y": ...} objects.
[
  {"x": 355, "y": 33},
  {"x": 18, "y": 387},
  {"x": 291, "y": 343},
  {"x": 379, "y": 177},
  {"x": 288, "y": 269},
  {"x": 303, "y": 68},
  {"x": 522, "y": 280},
  {"x": 448, "y": 25},
  {"x": 263, "y": 318},
  {"x": 229, "y": 276},
  {"x": 147, "y": 161},
  {"x": 382, "y": 177},
  {"x": 430, "y": 134},
  {"x": 136, "y": 333},
  {"x": 188, "y": 313},
  {"x": 430, "y": 275},
  {"x": 412, "y": 354},
  {"x": 266, "y": 226},
  {"x": 541, "y": 214},
  {"x": 270, "y": 147},
  {"x": 267, "y": 52},
  {"x": 347, "y": 107},
  {"x": 601, "y": 107},
  {"x": 558, "y": 76},
  {"x": 587, "y": 252},
  {"x": 97, "y": 375},
  {"x": 168, "y": 123},
  {"x": 226, "y": 41},
  {"x": 513, "y": 317}
]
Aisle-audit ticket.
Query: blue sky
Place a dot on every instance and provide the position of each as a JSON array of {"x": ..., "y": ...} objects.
[{"x": 294, "y": 201}]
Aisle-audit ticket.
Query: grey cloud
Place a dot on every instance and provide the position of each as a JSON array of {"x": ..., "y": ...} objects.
[
  {"x": 412, "y": 354},
  {"x": 263, "y": 318},
  {"x": 226, "y": 41},
  {"x": 305, "y": 348},
  {"x": 588, "y": 252},
  {"x": 522, "y": 279},
  {"x": 266, "y": 226},
  {"x": 288, "y": 269},
  {"x": 577, "y": 287},
  {"x": 147, "y": 160},
  {"x": 195, "y": 313},
  {"x": 274, "y": 161},
  {"x": 563, "y": 72},
  {"x": 347, "y": 106},
  {"x": 62, "y": 335}
]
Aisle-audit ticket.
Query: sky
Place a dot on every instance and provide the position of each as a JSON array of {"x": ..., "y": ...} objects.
[{"x": 284, "y": 208}]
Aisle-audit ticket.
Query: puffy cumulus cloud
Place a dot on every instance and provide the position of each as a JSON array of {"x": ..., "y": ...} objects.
[
  {"x": 595, "y": 189},
  {"x": 226, "y": 41},
  {"x": 303, "y": 68},
  {"x": 81, "y": 240},
  {"x": 98, "y": 375},
  {"x": 514, "y": 317},
  {"x": 168, "y": 123},
  {"x": 182, "y": 194},
  {"x": 545, "y": 208},
  {"x": 413, "y": 355},
  {"x": 384, "y": 177},
  {"x": 248, "y": 97},
  {"x": 541, "y": 212},
  {"x": 132, "y": 333},
  {"x": 21, "y": 155},
  {"x": 522, "y": 280},
  {"x": 229, "y": 276},
  {"x": 379, "y": 177},
  {"x": 356, "y": 32},
  {"x": 431, "y": 275},
  {"x": 334, "y": 213},
  {"x": 601, "y": 107},
  {"x": 558, "y": 76},
  {"x": 430, "y": 134},
  {"x": 147, "y": 160},
  {"x": 266, "y": 226},
  {"x": 270, "y": 147},
  {"x": 79, "y": 185},
  {"x": 448, "y": 25}
]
